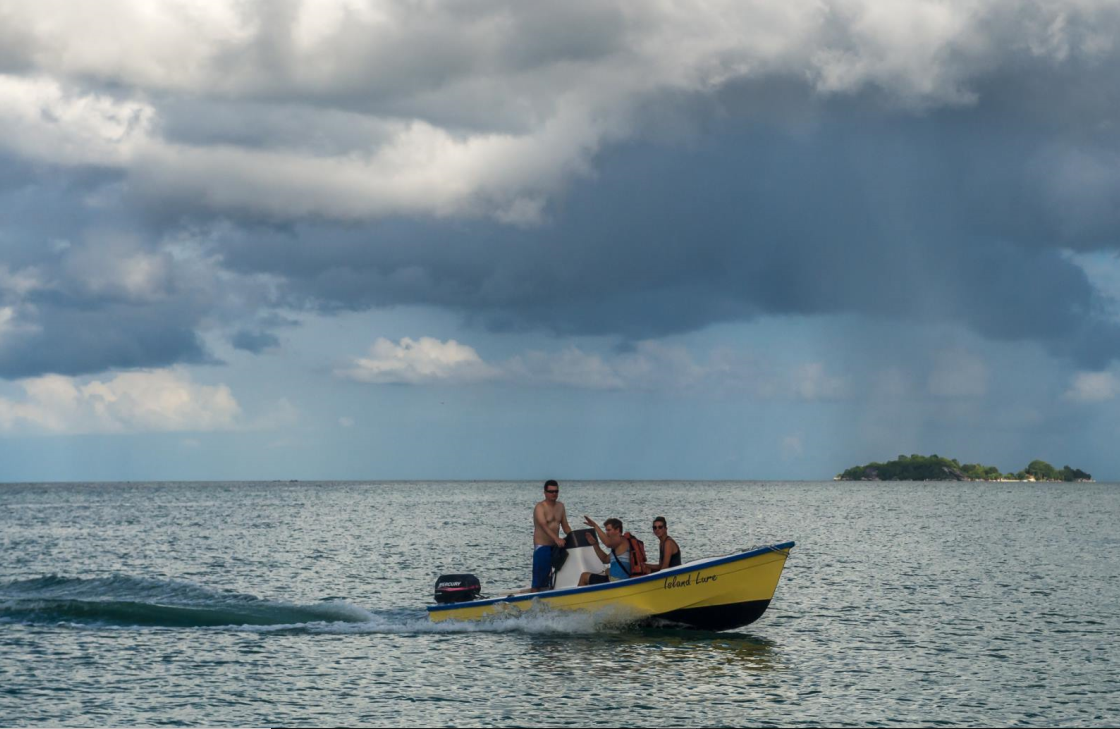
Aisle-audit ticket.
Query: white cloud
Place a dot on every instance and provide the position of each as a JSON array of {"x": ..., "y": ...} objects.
[
  {"x": 422, "y": 170},
  {"x": 906, "y": 47},
  {"x": 1093, "y": 387},
  {"x": 346, "y": 422},
  {"x": 920, "y": 47},
  {"x": 172, "y": 45},
  {"x": 44, "y": 120},
  {"x": 419, "y": 168},
  {"x": 650, "y": 366},
  {"x": 415, "y": 362},
  {"x": 484, "y": 108},
  {"x": 132, "y": 402}
]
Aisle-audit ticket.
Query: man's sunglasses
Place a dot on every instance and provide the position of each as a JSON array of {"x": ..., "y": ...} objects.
[{"x": 552, "y": 491}]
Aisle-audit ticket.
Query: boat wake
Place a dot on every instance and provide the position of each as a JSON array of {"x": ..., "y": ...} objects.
[{"x": 122, "y": 601}]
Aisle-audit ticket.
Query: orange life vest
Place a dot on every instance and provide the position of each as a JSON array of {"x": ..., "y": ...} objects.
[{"x": 638, "y": 564}]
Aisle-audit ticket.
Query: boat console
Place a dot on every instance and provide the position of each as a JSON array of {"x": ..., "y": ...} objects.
[{"x": 581, "y": 558}]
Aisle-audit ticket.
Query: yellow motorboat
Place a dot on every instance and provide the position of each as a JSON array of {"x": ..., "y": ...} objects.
[{"x": 718, "y": 593}]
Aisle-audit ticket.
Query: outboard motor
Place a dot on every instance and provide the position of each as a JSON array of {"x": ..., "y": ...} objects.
[{"x": 457, "y": 588}]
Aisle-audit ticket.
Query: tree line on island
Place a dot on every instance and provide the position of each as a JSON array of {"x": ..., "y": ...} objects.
[{"x": 936, "y": 468}]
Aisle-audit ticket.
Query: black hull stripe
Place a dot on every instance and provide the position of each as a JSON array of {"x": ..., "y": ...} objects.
[{"x": 718, "y": 617}]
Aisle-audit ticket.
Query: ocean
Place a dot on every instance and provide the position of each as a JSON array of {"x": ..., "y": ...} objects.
[{"x": 255, "y": 603}]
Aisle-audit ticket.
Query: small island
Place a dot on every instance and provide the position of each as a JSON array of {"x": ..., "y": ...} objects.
[{"x": 936, "y": 468}]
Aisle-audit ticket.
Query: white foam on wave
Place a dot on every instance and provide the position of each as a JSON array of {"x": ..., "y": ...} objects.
[
  {"x": 137, "y": 602},
  {"x": 123, "y": 602},
  {"x": 536, "y": 621}
]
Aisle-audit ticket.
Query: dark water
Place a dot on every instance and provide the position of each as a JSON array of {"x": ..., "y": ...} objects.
[{"x": 302, "y": 604}]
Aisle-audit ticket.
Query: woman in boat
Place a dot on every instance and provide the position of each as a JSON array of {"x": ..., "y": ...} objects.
[{"x": 670, "y": 550}]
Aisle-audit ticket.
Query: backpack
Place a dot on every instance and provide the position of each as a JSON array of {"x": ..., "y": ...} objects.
[{"x": 638, "y": 564}]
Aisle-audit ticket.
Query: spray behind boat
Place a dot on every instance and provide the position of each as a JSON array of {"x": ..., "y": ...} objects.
[{"x": 577, "y": 557}]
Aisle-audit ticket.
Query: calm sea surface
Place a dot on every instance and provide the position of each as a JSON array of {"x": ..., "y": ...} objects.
[{"x": 302, "y": 604}]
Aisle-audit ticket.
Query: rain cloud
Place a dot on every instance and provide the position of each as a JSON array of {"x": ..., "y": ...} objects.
[{"x": 591, "y": 168}]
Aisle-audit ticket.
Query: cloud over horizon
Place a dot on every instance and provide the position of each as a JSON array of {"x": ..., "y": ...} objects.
[
  {"x": 420, "y": 361},
  {"x": 1093, "y": 387},
  {"x": 651, "y": 366},
  {"x": 597, "y": 168},
  {"x": 156, "y": 401}
]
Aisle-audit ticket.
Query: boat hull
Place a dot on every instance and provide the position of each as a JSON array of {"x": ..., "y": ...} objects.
[
  {"x": 717, "y": 617},
  {"x": 713, "y": 594}
]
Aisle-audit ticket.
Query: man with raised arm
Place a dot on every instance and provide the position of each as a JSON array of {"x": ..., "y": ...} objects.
[
  {"x": 617, "y": 560},
  {"x": 548, "y": 517}
]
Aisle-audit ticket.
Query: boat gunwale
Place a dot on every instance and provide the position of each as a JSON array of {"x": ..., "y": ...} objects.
[{"x": 684, "y": 568}]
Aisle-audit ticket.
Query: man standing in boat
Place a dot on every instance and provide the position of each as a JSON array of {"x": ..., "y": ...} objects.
[{"x": 548, "y": 517}]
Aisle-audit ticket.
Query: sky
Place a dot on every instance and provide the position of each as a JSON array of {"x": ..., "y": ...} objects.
[{"x": 499, "y": 240}]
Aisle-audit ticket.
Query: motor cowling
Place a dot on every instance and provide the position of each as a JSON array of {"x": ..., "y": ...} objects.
[{"x": 457, "y": 588}]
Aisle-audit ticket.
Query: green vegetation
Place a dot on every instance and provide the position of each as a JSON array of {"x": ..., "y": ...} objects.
[{"x": 936, "y": 468}]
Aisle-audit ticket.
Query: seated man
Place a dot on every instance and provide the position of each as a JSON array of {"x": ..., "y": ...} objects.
[
  {"x": 618, "y": 558},
  {"x": 670, "y": 550}
]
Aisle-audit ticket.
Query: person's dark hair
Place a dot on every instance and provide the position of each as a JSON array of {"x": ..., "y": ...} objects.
[
  {"x": 551, "y": 482},
  {"x": 612, "y": 522},
  {"x": 662, "y": 520}
]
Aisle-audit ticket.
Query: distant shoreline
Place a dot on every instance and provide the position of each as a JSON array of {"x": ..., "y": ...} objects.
[
  {"x": 937, "y": 468},
  {"x": 970, "y": 480}
]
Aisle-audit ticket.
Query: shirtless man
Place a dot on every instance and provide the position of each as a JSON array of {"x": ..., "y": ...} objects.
[{"x": 548, "y": 516}]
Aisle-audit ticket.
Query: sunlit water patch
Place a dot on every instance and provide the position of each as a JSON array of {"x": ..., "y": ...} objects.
[{"x": 304, "y": 604}]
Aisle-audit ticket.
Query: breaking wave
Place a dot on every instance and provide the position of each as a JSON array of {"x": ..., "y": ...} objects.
[{"x": 122, "y": 601}]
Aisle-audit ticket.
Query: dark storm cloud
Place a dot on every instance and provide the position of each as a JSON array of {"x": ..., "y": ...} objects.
[
  {"x": 917, "y": 163},
  {"x": 951, "y": 216},
  {"x": 254, "y": 341},
  {"x": 71, "y": 341},
  {"x": 83, "y": 289},
  {"x": 41, "y": 204},
  {"x": 778, "y": 202}
]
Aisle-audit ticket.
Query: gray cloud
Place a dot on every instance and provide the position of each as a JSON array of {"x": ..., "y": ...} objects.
[
  {"x": 585, "y": 169},
  {"x": 935, "y": 217},
  {"x": 254, "y": 341},
  {"x": 352, "y": 111},
  {"x": 85, "y": 287},
  {"x": 72, "y": 341}
]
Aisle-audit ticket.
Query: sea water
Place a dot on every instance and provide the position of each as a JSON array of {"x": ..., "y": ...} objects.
[{"x": 303, "y": 604}]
